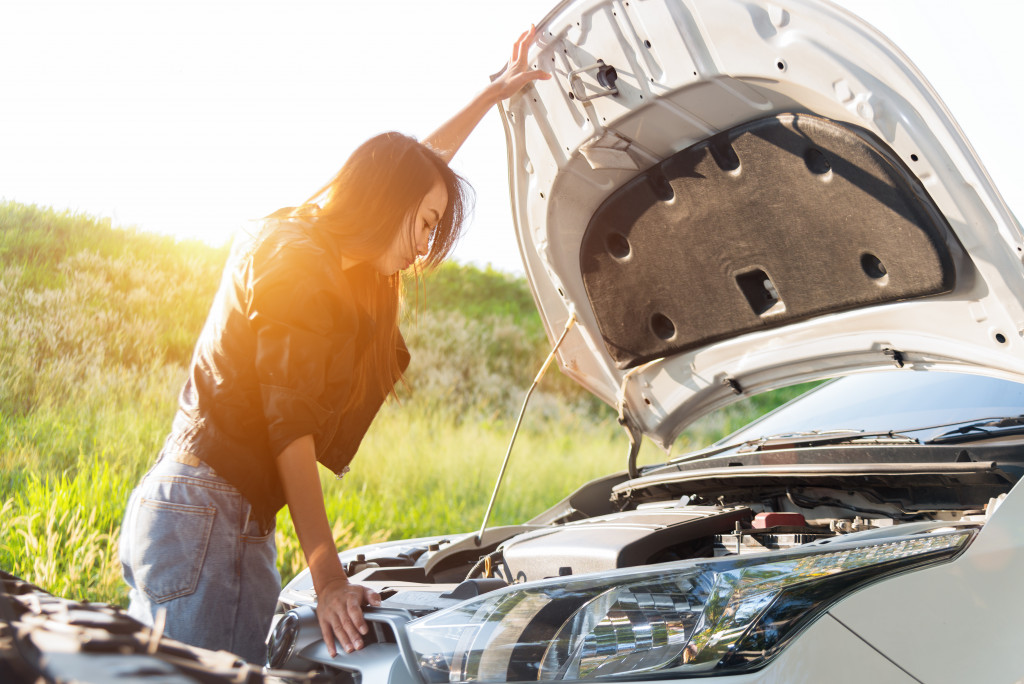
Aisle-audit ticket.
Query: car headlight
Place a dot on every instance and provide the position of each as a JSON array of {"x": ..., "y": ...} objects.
[{"x": 724, "y": 615}]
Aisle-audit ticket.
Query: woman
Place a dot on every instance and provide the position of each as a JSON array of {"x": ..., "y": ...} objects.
[{"x": 300, "y": 349}]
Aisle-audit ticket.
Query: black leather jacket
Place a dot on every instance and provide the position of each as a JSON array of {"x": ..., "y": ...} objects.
[{"x": 275, "y": 361}]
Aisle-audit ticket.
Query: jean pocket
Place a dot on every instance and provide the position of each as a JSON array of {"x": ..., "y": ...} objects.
[
  {"x": 254, "y": 535},
  {"x": 171, "y": 546}
]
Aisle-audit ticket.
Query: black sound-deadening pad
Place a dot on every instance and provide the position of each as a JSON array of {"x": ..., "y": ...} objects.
[{"x": 774, "y": 221}]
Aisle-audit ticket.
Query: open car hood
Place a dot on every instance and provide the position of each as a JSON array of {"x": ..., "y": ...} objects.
[{"x": 732, "y": 196}]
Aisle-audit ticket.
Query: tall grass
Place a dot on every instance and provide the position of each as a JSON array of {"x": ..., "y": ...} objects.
[
  {"x": 60, "y": 532},
  {"x": 96, "y": 329}
]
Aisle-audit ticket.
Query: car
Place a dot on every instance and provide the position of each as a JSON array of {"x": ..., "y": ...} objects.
[{"x": 715, "y": 199}]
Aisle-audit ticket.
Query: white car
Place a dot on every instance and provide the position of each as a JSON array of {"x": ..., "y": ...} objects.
[{"x": 715, "y": 198}]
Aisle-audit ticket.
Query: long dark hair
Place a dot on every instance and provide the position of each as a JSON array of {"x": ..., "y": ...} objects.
[{"x": 370, "y": 201}]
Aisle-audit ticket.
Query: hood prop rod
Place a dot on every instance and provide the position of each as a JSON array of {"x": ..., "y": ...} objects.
[
  {"x": 501, "y": 474},
  {"x": 632, "y": 431},
  {"x": 635, "y": 437}
]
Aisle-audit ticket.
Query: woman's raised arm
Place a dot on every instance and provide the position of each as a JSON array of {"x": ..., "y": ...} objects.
[{"x": 448, "y": 138}]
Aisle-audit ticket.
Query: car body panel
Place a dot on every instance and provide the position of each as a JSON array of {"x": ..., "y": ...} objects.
[
  {"x": 958, "y": 622},
  {"x": 711, "y": 65}
]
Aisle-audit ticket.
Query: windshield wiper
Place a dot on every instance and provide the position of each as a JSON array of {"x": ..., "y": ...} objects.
[
  {"x": 984, "y": 429},
  {"x": 813, "y": 438},
  {"x": 793, "y": 440}
]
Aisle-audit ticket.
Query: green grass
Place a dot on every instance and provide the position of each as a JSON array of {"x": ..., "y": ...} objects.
[
  {"x": 96, "y": 329},
  {"x": 60, "y": 531}
]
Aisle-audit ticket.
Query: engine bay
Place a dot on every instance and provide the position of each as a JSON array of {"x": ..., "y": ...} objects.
[{"x": 617, "y": 522}]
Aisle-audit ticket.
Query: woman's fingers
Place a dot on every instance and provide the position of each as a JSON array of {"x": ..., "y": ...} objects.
[
  {"x": 327, "y": 631},
  {"x": 517, "y": 72},
  {"x": 521, "y": 48},
  {"x": 370, "y": 597},
  {"x": 522, "y": 44},
  {"x": 340, "y": 614},
  {"x": 355, "y": 625},
  {"x": 339, "y": 629}
]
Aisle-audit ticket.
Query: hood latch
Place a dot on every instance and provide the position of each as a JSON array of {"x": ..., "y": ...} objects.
[{"x": 605, "y": 75}]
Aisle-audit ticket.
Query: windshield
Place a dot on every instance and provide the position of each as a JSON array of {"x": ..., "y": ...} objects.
[{"x": 894, "y": 400}]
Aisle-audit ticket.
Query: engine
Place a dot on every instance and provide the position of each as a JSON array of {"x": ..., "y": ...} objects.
[{"x": 425, "y": 575}]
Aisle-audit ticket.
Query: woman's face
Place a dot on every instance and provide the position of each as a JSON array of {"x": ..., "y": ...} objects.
[{"x": 414, "y": 240}]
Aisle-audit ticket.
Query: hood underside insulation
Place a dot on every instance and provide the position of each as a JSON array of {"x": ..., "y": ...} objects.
[{"x": 772, "y": 222}]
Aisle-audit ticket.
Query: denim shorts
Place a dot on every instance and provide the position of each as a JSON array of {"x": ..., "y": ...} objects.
[{"x": 189, "y": 547}]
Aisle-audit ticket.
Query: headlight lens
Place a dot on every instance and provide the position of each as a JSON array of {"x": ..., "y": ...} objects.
[{"x": 722, "y": 615}]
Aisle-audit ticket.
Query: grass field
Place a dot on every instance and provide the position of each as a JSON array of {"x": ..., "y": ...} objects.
[{"x": 96, "y": 329}]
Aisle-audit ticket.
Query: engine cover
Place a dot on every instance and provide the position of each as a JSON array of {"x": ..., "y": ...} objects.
[{"x": 618, "y": 540}]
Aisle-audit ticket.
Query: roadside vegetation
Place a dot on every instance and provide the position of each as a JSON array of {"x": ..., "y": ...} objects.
[{"x": 97, "y": 325}]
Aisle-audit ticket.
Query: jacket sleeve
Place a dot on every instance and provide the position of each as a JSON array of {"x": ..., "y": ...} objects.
[{"x": 301, "y": 334}]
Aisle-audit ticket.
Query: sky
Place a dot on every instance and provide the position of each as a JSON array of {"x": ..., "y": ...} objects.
[{"x": 192, "y": 117}]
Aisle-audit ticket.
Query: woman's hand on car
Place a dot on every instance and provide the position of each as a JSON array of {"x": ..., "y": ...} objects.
[
  {"x": 517, "y": 72},
  {"x": 340, "y": 613}
]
